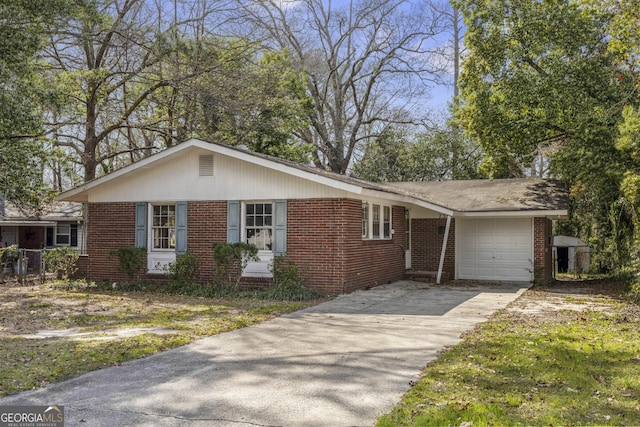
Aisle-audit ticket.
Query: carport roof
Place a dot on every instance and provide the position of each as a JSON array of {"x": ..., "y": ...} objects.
[{"x": 498, "y": 195}]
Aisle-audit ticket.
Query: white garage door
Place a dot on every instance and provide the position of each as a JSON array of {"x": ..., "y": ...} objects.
[{"x": 495, "y": 249}]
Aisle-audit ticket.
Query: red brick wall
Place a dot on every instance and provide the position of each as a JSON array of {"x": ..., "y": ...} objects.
[
  {"x": 82, "y": 267},
  {"x": 542, "y": 242},
  {"x": 324, "y": 239},
  {"x": 313, "y": 241},
  {"x": 109, "y": 226},
  {"x": 206, "y": 225},
  {"x": 372, "y": 262},
  {"x": 426, "y": 246}
]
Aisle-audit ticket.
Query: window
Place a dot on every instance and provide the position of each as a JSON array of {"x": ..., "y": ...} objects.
[
  {"x": 164, "y": 227},
  {"x": 386, "y": 222},
  {"x": 365, "y": 220},
  {"x": 49, "y": 238},
  {"x": 63, "y": 233},
  {"x": 376, "y": 221},
  {"x": 259, "y": 225},
  {"x": 74, "y": 235}
]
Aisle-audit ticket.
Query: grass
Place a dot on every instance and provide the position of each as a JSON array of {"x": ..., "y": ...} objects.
[
  {"x": 29, "y": 363},
  {"x": 549, "y": 368}
]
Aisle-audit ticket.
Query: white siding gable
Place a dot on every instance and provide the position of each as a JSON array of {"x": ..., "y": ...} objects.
[{"x": 178, "y": 178}]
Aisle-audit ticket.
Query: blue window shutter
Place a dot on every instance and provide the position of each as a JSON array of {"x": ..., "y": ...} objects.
[
  {"x": 280, "y": 228},
  {"x": 141, "y": 225},
  {"x": 233, "y": 221},
  {"x": 181, "y": 228}
]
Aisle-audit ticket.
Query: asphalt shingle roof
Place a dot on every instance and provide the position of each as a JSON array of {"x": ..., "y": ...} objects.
[{"x": 523, "y": 194}]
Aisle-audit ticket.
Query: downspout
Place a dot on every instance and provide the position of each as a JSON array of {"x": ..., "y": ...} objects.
[{"x": 444, "y": 249}]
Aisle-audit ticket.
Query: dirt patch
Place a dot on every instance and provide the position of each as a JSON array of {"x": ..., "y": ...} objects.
[
  {"x": 568, "y": 300},
  {"x": 34, "y": 309},
  {"x": 76, "y": 334}
]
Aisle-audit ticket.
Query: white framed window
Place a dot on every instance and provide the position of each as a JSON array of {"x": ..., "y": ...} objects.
[
  {"x": 163, "y": 227},
  {"x": 365, "y": 220},
  {"x": 375, "y": 217},
  {"x": 386, "y": 222},
  {"x": 376, "y": 221},
  {"x": 63, "y": 235},
  {"x": 258, "y": 225}
]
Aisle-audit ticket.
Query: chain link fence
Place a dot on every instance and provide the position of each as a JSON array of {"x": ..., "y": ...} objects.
[{"x": 28, "y": 265}]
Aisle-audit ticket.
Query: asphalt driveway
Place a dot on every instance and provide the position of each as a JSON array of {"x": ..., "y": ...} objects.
[{"x": 341, "y": 363}]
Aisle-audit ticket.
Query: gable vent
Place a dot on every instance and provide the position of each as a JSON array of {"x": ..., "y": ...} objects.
[{"x": 206, "y": 165}]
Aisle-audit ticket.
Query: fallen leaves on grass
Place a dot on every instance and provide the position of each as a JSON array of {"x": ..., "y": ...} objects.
[
  {"x": 556, "y": 356},
  {"x": 24, "y": 310}
]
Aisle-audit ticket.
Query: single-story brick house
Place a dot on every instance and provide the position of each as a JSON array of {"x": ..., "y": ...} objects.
[
  {"x": 60, "y": 224},
  {"x": 343, "y": 233}
]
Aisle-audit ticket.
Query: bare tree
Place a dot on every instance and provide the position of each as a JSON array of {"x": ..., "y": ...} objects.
[
  {"x": 368, "y": 64},
  {"x": 109, "y": 64}
]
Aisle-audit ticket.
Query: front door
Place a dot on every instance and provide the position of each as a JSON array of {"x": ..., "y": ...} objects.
[{"x": 407, "y": 254}]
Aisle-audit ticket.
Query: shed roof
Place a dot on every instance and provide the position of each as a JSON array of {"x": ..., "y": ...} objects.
[{"x": 568, "y": 241}]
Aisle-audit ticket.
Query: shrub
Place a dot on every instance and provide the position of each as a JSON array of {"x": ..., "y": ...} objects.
[
  {"x": 183, "y": 271},
  {"x": 130, "y": 260},
  {"x": 7, "y": 256},
  {"x": 61, "y": 261},
  {"x": 231, "y": 259},
  {"x": 288, "y": 283},
  {"x": 10, "y": 253}
]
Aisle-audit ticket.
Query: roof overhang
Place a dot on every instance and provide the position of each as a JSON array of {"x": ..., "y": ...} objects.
[
  {"x": 18, "y": 223},
  {"x": 553, "y": 214},
  {"x": 407, "y": 199}
]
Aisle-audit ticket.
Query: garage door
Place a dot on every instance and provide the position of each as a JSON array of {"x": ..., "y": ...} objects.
[{"x": 495, "y": 249}]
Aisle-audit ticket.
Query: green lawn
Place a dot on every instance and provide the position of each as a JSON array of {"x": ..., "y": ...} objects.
[
  {"x": 28, "y": 363},
  {"x": 575, "y": 366}
]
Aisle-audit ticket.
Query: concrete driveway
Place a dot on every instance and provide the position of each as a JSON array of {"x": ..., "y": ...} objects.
[{"x": 341, "y": 363}]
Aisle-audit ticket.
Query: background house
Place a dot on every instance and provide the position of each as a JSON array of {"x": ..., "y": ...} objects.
[
  {"x": 59, "y": 224},
  {"x": 343, "y": 233}
]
